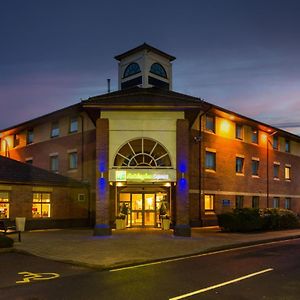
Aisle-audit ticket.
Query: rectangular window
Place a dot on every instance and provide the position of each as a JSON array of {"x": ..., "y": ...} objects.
[
  {"x": 239, "y": 165},
  {"x": 287, "y": 146},
  {"x": 239, "y": 131},
  {"x": 276, "y": 202},
  {"x": 210, "y": 160},
  {"x": 287, "y": 172},
  {"x": 239, "y": 201},
  {"x": 4, "y": 205},
  {"x": 255, "y": 167},
  {"x": 254, "y": 136},
  {"x": 209, "y": 202},
  {"x": 73, "y": 160},
  {"x": 73, "y": 125},
  {"x": 275, "y": 142},
  {"x": 55, "y": 130},
  {"x": 288, "y": 203},
  {"x": 210, "y": 124},
  {"x": 54, "y": 163},
  {"x": 29, "y": 138},
  {"x": 41, "y": 206},
  {"x": 255, "y": 202},
  {"x": 276, "y": 170},
  {"x": 16, "y": 140}
]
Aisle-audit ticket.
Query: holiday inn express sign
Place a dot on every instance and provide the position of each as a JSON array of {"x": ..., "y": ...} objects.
[{"x": 142, "y": 175}]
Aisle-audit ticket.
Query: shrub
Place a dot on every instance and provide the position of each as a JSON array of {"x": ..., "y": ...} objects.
[
  {"x": 241, "y": 220},
  {"x": 277, "y": 218},
  {"x": 6, "y": 242}
]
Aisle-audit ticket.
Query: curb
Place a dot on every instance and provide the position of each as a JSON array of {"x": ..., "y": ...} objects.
[{"x": 213, "y": 250}]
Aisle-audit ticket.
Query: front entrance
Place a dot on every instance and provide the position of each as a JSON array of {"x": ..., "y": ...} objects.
[{"x": 143, "y": 207}]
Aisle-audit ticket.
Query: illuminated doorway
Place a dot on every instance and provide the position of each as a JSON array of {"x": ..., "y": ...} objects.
[{"x": 143, "y": 207}]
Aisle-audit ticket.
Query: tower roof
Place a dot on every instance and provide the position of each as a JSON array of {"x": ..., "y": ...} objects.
[{"x": 145, "y": 46}]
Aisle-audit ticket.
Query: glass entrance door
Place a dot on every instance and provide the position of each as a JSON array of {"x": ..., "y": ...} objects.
[{"x": 143, "y": 209}]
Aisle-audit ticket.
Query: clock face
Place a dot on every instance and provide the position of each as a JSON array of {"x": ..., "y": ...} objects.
[
  {"x": 159, "y": 70},
  {"x": 132, "y": 69}
]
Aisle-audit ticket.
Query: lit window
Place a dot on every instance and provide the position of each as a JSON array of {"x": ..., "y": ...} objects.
[
  {"x": 275, "y": 142},
  {"x": 132, "y": 69},
  {"x": 159, "y": 70},
  {"x": 73, "y": 125},
  {"x": 287, "y": 146},
  {"x": 239, "y": 131},
  {"x": 41, "y": 205},
  {"x": 55, "y": 129},
  {"x": 239, "y": 201},
  {"x": 287, "y": 172},
  {"x": 276, "y": 202},
  {"x": 210, "y": 123},
  {"x": 16, "y": 140},
  {"x": 254, "y": 136},
  {"x": 209, "y": 202},
  {"x": 239, "y": 165},
  {"x": 288, "y": 203},
  {"x": 210, "y": 160},
  {"x": 276, "y": 170},
  {"x": 143, "y": 153},
  {"x": 255, "y": 167},
  {"x": 4, "y": 205},
  {"x": 29, "y": 138},
  {"x": 73, "y": 160},
  {"x": 255, "y": 202},
  {"x": 54, "y": 163}
]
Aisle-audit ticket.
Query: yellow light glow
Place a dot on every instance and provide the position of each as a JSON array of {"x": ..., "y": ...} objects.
[
  {"x": 225, "y": 126},
  {"x": 168, "y": 184},
  {"x": 119, "y": 184},
  {"x": 264, "y": 137}
]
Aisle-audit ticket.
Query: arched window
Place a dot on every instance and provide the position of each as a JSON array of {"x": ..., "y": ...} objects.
[
  {"x": 132, "y": 69},
  {"x": 159, "y": 70},
  {"x": 142, "y": 153}
]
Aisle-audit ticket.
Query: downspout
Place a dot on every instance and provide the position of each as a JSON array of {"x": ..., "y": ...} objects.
[{"x": 201, "y": 172}]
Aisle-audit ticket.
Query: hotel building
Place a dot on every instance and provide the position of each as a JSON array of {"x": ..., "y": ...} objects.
[{"x": 146, "y": 146}]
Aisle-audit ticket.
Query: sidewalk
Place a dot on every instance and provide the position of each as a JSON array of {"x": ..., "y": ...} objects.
[{"x": 133, "y": 246}]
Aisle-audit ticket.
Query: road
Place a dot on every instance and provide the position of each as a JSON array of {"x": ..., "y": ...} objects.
[{"x": 270, "y": 271}]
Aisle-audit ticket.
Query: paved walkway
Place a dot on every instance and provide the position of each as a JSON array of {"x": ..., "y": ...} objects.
[{"x": 133, "y": 246}]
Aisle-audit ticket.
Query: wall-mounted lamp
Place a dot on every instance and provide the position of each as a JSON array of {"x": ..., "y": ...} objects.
[
  {"x": 182, "y": 175},
  {"x": 102, "y": 175},
  {"x": 197, "y": 138}
]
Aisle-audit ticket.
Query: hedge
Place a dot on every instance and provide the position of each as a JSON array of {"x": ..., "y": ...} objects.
[
  {"x": 6, "y": 242},
  {"x": 252, "y": 219}
]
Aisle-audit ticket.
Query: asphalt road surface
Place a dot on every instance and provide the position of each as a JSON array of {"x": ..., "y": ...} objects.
[{"x": 270, "y": 271}]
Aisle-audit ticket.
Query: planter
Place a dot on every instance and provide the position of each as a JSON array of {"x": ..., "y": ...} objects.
[
  {"x": 120, "y": 223},
  {"x": 20, "y": 223},
  {"x": 165, "y": 224}
]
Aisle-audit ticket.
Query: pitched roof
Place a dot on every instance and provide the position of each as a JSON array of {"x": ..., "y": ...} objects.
[
  {"x": 22, "y": 173},
  {"x": 145, "y": 46}
]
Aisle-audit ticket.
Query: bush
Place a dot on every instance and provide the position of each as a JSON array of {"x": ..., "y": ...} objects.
[
  {"x": 6, "y": 242},
  {"x": 277, "y": 218},
  {"x": 241, "y": 220}
]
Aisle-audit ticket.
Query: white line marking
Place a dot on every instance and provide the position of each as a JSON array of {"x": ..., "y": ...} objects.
[
  {"x": 196, "y": 255},
  {"x": 221, "y": 284}
]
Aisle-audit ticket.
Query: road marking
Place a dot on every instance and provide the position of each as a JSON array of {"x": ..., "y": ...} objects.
[
  {"x": 196, "y": 255},
  {"x": 28, "y": 276},
  {"x": 220, "y": 284}
]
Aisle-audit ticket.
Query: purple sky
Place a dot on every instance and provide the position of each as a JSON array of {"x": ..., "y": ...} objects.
[{"x": 243, "y": 55}]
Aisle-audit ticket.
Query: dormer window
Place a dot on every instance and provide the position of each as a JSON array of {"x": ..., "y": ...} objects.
[
  {"x": 132, "y": 69},
  {"x": 159, "y": 70}
]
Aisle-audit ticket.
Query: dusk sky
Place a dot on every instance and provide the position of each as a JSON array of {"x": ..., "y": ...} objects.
[{"x": 243, "y": 55}]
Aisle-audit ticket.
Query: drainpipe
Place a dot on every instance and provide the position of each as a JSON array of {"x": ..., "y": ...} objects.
[{"x": 201, "y": 141}]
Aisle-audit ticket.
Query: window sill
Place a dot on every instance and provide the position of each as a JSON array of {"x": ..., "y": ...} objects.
[
  {"x": 276, "y": 179},
  {"x": 210, "y": 170},
  {"x": 254, "y": 176},
  {"x": 72, "y": 170},
  {"x": 239, "y": 174},
  {"x": 288, "y": 180},
  {"x": 210, "y": 212}
]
